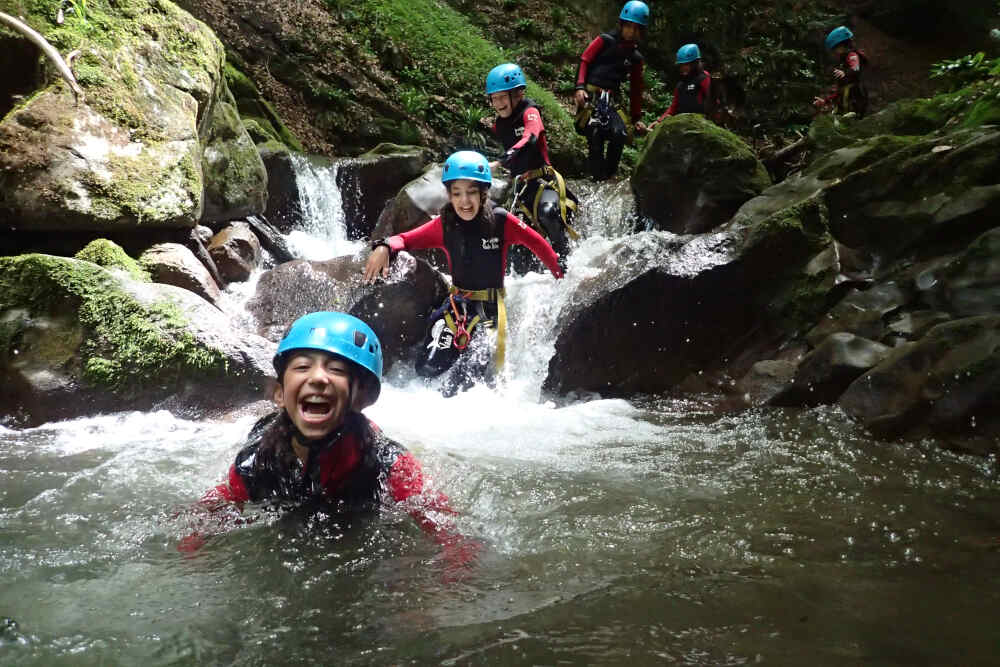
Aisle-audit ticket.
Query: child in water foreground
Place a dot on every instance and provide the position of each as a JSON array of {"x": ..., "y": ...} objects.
[{"x": 317, "y": 446}]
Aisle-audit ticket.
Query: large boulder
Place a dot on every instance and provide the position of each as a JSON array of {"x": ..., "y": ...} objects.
[
  {"x": 861, "y": 313},
  {"x": 131, "y": 153},
  {"x": 949, "y": 379},
  {"x": 284, "y": 204},
  {"x": 76, "y": 338},
  {"x": 396, "y": 309},
  {"x": 693, "y": 175}
]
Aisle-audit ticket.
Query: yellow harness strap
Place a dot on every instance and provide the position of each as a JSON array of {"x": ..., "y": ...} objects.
[
  {"x": 550, "y": 179},
  {"x": 492, "y": 295}
]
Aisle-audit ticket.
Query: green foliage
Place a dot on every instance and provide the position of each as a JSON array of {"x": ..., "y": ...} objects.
[
  {"x": 414, "y": 101},
  {"x": 962, "y": 71}
]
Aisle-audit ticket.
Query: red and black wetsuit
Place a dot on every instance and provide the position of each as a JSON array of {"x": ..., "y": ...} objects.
[
  {"x": 849, "y": 93},
  {"x": 691, "y": 95},
  {"x": 606, "y": 62},
  {"x": 524, "y": 133},
  {"x": 477, "y": 260},
  {"x": 358, "y": 467}
]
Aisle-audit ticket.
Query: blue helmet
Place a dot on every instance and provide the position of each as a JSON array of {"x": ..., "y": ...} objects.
[
  {"x": 342, "y": 335},
  {"x": 467, "y": 164},
  {"x": 836, "y": 36},
  {"x": 635, "y": 11},
  {"x": 688, "y": 54},
  {"x": 504, "y": 77}
]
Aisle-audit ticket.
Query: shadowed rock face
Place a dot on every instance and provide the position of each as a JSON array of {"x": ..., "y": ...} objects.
[{"x": 396, "y": 309}]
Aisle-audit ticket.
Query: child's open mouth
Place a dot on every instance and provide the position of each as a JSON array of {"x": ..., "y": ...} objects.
[{"x": 316, "y": 407}]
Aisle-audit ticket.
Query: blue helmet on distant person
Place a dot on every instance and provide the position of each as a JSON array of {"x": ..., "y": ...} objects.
[
  {"x": 469, "y": 165},
  {"x": 504, "y": 77},
  {"x": 688, "y": 54},
  {"x": 342, "y": 335},
  {"x": 837, "y": 36},
  {"x": 635, "y": 11}
]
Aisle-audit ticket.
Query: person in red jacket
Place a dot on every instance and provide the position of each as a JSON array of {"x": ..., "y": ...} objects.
[
  {"x": 318, "y": 447},
  {"x": 475, "y": 238},
  {"x": 541, "y": 197},
  {"x": 604, "y": 65},
  {"x": 693, "y": 93},
  {"x": 849, "y": 94}
]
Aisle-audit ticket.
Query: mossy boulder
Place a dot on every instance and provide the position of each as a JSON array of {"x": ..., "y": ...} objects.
[
  {"x": 235, "y": 177},
  {"x": 131, "y": 152},
  {"x": 969, "y": 284},
  {"x": 693, "y": 175},
  {"x": 110, "y": 255},
  {"x": 76, "y": 338}
]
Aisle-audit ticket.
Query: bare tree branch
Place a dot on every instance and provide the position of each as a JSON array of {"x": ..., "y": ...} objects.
[{"x": 49, "y": 51}]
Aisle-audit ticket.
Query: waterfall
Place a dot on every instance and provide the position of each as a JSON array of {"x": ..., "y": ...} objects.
[{"x": 323, "y": 231}]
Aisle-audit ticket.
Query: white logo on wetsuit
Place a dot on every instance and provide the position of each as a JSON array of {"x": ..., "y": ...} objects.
[
  {"x": 519, "y": 132},
  {"x": 441, "y": 338},
  {"x": 491, "y": 243}
]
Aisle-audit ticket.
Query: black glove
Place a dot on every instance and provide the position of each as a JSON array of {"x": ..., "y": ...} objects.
[{"x": 508, "y": 158}]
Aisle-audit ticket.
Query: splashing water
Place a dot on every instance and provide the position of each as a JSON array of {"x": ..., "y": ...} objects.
[{"x": 323, "y": 232}]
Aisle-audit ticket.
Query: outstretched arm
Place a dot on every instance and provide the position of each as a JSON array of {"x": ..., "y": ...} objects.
[
  {"x": 428, "y": 235},
  {"x": 516, "y": 231}
]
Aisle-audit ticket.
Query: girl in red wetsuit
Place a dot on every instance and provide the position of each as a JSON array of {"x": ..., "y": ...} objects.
[
  {"x": 849, "y": 94},
  {"x": 318, "y": 447},
  {"x": 475, "y": 239}
]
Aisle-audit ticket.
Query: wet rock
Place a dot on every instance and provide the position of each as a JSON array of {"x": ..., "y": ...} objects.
[
  {"x": 949, "y": 379},
  {"x": 174, "y": 264},
  {"x": 284, "y": 204},
  {"x": 945, "y": 186},
  {"x": 235, "y": 251},
  {"x": 235, "y": 176},
  {"x": 693, "y": 175},
  {"x": 766, "y": 378},
  {"x": 827, "y": 371},
  {"x": 969, "y": 284},
  {"x": 395, "y": 309},
  {"x": 270, "y": 239},
  {"x": 861, "y": 313},
  {"x": 913, "y": 325},
  {"x": 77, "y": 339},
  {"x": 370, "y": 181}
]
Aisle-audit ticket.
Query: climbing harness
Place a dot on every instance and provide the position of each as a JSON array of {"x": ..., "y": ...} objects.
[
  {"x": 551, "y": 179},
  {"x": 454, "y": 313}
]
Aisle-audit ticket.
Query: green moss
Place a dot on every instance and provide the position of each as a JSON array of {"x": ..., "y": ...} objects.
[
  {"x": 108, "y": 254},
  {"x": 126, "y": 346}
]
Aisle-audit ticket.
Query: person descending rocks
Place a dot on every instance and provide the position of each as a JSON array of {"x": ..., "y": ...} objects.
[
  {"x": 541, "y": 197},
  {"x": 475, "y": 238},
  {"x": 693, "y": 93},
  {"x": 848, "y": 94},
  {"x": 317, "y": 447},
  {"x": 604, "y": 65}
]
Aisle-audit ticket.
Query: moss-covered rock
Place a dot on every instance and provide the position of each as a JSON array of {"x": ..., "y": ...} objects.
[
  {"x": 261, "y": 120},
  {"x": 76, "y": 338},
  {"x": 131, "y": 153},
  {"x": 110, "y": 255},
  {"x": 693, "y": 175}
]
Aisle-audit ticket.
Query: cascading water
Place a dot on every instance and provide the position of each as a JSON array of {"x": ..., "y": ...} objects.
[
  {"x": 648, "y": 531},
  {"x": 323, "y": 231}
]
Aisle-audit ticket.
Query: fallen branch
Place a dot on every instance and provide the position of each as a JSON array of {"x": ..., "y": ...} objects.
[{"x": 49, "y": 51}]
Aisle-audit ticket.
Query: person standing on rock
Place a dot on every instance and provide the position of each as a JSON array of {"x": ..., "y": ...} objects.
[
  {"x": 317, "y": 446},
  {"x": 849, "y": 94},
  {"x": 541, "y": 196},
  {"x": 693, "y": 93},
  {"x": 604, "y": 65},
  {"x": 476, "y": 240}
]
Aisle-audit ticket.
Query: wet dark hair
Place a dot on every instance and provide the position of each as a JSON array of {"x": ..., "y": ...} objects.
[{"x": 484, "y": 219}]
